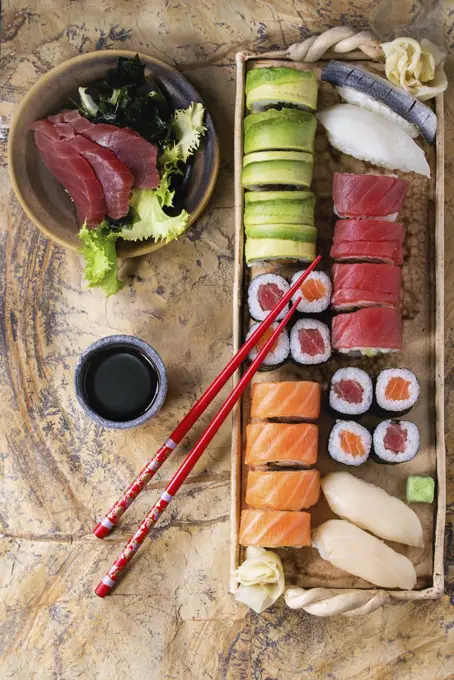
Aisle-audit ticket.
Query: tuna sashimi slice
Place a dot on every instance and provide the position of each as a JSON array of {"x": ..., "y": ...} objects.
[
  {"x": 371, "y": 231},
  {"x": 113, "y": 175},
  {"x": 370, "y": 328},
  {"x": 390, "y": 252},
  {"x": 360, "y": 285},
  {"x": 128, "y": 146},
  {"x": 76, "y": 175},
  {"x": 368, "y": 195}
]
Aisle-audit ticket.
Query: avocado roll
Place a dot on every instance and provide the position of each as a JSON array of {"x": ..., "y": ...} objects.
[
  {"x": 282, "y": 86},
  {"x": 277, "y": 169},
  {"x": 278, "y": 250},
  {"x": 279, "y": 129}
]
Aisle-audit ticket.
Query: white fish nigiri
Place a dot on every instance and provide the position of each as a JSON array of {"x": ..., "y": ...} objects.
[
  {"x": 371, "y": 508},
  {"x": 370, "y": 137},
  {"x": 355, "y": 551}
]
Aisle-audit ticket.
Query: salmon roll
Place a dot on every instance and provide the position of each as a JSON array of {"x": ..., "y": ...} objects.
[
  {"x": 288, "y": 401},
  {"x": 351, "y": 391},
  {"x": 278, "y": 353},
  {"x": 315, "y": 291},
  {"x": 281, "y": 444},
  {"x": 396, "y": 390},
  {"x": 349, "y": 443},
  {"x": 310, "y": 342},
  {"x": 289, "y": 490},
  {"x": 272, "y": 529},
  {"x": 395, "y": 441},
  {"x": 264, "y": 293}
]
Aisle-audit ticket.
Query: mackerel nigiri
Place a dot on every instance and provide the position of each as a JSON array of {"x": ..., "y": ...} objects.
[
  {"x": 287, "y": 490},
  {"x": 272, "y": 529}
]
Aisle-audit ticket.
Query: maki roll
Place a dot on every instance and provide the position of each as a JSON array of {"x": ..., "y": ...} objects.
[
  {"x": 272, "y": 87},
  {"x": 397, "y": 390},
  {"x": 277, "y": 169},
  {"x": 278, "y": 353},
  {"x": 279, "y": 129},
  {"x": 264, "y": 293},
  {"x": 278, "y": 250},
  {"x": 395, "y": 441},
  {"x": 350, "y": 391},
  {"x": 310, "y": 342},
  {"x": 315, "y": 291},
  {"x": 349, "y": 443}
]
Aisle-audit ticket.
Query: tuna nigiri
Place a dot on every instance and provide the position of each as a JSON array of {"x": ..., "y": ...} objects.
[
  {"x": 371, "y": 508},
  {"x": 281, "y": 444},
  {"x": 295, "y": 400},
  {"x": 289, "y": 490},
  {"x": 368, "y": 331},
  {"x": 366, "y": 285},
  {"x": 272, "y": 529},
  {"x": 355, "y": 551},
  {"x": 378, "y": 196}
]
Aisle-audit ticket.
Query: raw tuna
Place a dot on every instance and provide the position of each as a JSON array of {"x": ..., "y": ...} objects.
[
  {"x": 395, "y": 438},
  {"x": 128, "y": 146},
  {"x": 269, "y": 295},
  {"x": 76, "y": 175},
  {"x": 390, "y": 252},
  {"x": 45, "y": 128},
  {"x": 374, "y": 328},
  {"x": 379, "y": 196},
  {"x": 349, "y": 390},
  {"x": 311, "y": 341},
  {"x": 372, "y": 231},
  {"x": 113, "y": 175},
  {"x": 364, "y": 285}
]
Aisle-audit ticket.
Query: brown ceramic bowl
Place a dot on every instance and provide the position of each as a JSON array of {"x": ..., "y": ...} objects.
[{"x": 43, "y": 198}]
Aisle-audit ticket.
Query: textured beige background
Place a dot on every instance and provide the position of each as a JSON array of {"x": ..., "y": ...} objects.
[{"x": 171, "y": 617}]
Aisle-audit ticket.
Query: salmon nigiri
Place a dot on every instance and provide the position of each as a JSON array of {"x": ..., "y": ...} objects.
[
  {"x": 294, "y": 400},
  {"x": 281, "y": 444},
  {"x": 271, "y": 529},
  {"x": 290, "y": 490}
]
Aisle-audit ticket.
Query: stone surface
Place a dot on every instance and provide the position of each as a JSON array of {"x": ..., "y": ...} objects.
[{"x": 171, "y": 617}]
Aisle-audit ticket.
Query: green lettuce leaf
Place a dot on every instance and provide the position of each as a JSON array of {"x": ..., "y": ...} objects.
[
  {"x": 163, "y": 192},
  {"x": 151, "y": 221},
  {"x": 100, "y": 258},
  {"x": 188, "y": 127}
]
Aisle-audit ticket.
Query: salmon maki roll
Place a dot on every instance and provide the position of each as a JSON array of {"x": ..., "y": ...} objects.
[
  {"x": 294, "y": 400},
  {"x": 289, "y": 490},
  {"x": 281, "y": 444},
  {"x": 271, "y": 529}
]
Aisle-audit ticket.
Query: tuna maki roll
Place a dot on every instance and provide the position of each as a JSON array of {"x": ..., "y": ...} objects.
[
  {"x": 349, "y": 443},
  {"x": 264, "y": 293},
  {"x": 397, "y": 390},
  {"x": 396, "y": 441},
  {"x": 278, "y": 353},
  {"x": 315, "y": 291},
  {"x": 351, "y": 391},
  {"x": 310, "y": 342}
]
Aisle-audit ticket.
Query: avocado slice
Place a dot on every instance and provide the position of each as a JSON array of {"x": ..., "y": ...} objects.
[
  {"x": 299, "y": 211},
  {"x": 284, "y": 129},
  {"x": 292, "y": 232},
  {"x": 267, "y": 87},
  {"x": 258, "y": 196},
  {"x": 259, "y": 249},
  {"x": 293, "y": 168}
]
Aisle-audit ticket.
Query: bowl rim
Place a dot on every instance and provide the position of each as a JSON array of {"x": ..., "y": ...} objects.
[{"x": 142, "y": 248}]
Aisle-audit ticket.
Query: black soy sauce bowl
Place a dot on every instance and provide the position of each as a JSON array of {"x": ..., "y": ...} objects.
[{"x": 120, "y": 382}]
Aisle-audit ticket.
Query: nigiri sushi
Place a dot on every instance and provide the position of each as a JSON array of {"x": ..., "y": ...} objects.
[
  {"x": 369, "y": 137},
  {"x": 369, "y": 331},
  {"x": 366, "y": 196},
  {"x": 366, "y": 285},
  {"x": 287, "y": 490},
  {"x": 355, "y": 551},
  {"x": 367, "y": 230},
  {"x": 293, "y": 400},
  {"x": 274, "y": 529},
  {"x": 371, "y": 508},
  {"x": 281, "y": 444}
]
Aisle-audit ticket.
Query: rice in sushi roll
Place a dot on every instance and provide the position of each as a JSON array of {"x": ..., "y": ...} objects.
[
  {"x": 279, "y": 352},
  {"x": 310, "y": 342},
  {"x": 397, "y": 390},
  {"x": 396, "y": 441},
  {"x": 349, "y": 443},
  {"x": 263, "y": 294},
  {"x": 315, "y": 291},
  {"x": 351, "y": 391}
]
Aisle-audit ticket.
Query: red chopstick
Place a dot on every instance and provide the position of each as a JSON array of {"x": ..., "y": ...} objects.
[
  {"x": 105, "y": 586},
  {"x": 104, "y": 527}
]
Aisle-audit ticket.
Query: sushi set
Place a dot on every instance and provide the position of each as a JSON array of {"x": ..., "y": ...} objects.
[{"x": 326, "y": 463}]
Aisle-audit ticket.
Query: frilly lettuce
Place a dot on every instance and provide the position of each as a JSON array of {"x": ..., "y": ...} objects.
[
  {"x": 100, "y": 258},
  {"x": 417, "y": 68},
  {"x": 261, "y": 579},
  {"x": 188, "y": 127},
  {"x": 151, "y": 221}
]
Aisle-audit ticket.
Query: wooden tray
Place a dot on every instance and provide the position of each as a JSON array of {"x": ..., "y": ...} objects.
[{"x": 423, "y": 282}]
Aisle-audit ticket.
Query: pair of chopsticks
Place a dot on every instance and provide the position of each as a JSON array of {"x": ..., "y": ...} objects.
[{"x": 104, "y": 527}]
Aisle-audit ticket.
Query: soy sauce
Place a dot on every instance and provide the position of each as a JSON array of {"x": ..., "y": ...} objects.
[{"x": 120, "y": 383}]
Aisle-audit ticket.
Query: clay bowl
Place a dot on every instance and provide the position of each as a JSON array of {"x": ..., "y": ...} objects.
[{"x": 43, "y": 198}]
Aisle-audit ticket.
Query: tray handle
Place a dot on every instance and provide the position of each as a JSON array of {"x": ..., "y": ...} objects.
[
  {"x": 328, "y": 602},
  {"x": 340, "y": 39}
]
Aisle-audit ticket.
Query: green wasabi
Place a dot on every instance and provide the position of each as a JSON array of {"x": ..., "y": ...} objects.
[{"x": 420, "y": 489}]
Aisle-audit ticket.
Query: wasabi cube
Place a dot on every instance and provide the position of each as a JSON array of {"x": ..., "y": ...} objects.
[{"x": 420, "y": 489}]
